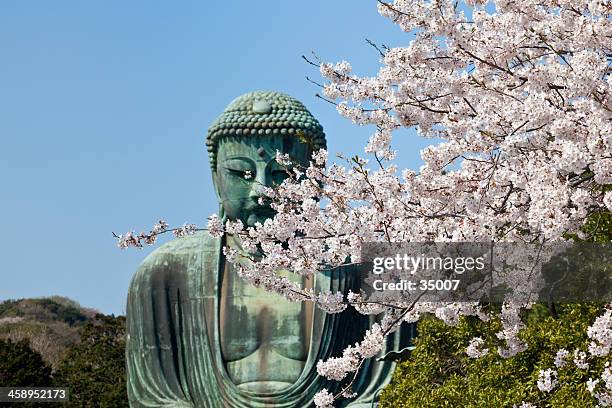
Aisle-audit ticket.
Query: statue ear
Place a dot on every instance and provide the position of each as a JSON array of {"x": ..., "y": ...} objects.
[{"x": 215, "y": 178}]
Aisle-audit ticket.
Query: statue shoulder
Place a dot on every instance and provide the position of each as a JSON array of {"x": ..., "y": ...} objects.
[
  {"x": 191, "y": 243},
  {"x": 173, "y": 258}
]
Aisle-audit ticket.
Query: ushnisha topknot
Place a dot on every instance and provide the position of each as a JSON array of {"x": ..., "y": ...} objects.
[{"x": 262, "y": 113}]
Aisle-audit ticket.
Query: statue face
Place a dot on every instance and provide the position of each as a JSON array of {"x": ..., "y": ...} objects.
[{"x": 238, "y": 157}]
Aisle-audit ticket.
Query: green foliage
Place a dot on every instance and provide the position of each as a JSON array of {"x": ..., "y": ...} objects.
[
  {"x": 51, "y": 325},
  {"x": 20, "y": 366},
  {"x": 599, "y": 227},
  {"x": 87, "y": 351},
  {"x": 94, "y": 370},
  {"x": 440, "y": 374}
]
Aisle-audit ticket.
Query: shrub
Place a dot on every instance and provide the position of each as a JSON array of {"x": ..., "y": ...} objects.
[{"x": 440, "y": 374}]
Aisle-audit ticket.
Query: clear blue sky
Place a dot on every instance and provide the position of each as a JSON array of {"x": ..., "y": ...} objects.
[{"x": 104, "y": 106}]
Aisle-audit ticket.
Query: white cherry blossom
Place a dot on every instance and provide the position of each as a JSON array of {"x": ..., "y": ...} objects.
[
  {"x": 476, "y": 349},
  {"x": 547, "y": 380}
]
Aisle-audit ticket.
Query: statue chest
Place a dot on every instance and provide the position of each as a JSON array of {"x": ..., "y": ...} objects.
[{"x": 264, "y": 338}]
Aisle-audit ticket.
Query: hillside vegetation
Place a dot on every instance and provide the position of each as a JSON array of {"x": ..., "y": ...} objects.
[
  {"x": 51, "y": 325},
  {"x": 55, "y": 342}
]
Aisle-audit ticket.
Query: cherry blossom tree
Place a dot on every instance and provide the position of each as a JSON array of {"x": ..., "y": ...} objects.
[{"x": 519, "y": 93}]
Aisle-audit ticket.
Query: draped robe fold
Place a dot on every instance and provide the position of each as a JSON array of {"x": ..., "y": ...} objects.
[{"x": 173, "y": 349}]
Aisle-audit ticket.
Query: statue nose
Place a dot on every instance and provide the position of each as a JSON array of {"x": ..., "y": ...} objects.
[{"x": 257, "y": 190}]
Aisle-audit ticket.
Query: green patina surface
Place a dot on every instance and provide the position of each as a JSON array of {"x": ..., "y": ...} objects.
[{"x": 199, "y": 336}]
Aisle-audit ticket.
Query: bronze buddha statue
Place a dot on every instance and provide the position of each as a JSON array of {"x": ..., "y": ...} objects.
[{"x": 200, "y": 336}]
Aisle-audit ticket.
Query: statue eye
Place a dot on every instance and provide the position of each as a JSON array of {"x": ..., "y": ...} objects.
[
  {"x": 279, "y": 175},
  {"x": 240, "y": 173}
]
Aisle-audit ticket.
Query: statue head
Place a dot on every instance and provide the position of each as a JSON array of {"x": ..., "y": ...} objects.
[{"x": 242, "y": 145}]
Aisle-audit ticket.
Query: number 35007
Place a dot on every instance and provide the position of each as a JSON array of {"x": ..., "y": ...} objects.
[{"x": 434, "y": 284}]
